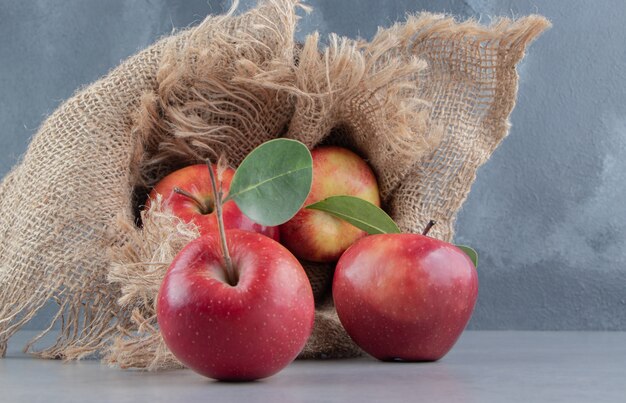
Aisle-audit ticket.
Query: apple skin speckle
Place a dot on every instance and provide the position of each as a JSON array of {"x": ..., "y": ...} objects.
[
  {"x": 240, "y": 332},
  {"x": 405, "y": 296}
]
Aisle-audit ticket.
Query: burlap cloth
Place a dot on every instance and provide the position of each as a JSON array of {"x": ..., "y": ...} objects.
[{"x": 425, "y": 102}]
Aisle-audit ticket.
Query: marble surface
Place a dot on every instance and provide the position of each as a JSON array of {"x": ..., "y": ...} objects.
[{"x": 484, "y": 366}]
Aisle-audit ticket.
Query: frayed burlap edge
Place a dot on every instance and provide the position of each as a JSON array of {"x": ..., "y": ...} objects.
[
  {"x": 146, "y": 255},
  {"x": 52, "y": 243},
  {"x": 442, "y": 180}
]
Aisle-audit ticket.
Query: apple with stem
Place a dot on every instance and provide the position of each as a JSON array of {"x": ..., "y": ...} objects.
[
  {"x": 405, "y": 296},
  {"x": 315, "y": 235},
  {"x": 187, "y": 193},
  {"x": 236, "y": 305}
]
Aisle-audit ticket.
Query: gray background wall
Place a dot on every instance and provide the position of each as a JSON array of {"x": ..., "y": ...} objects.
[{"x": 547, "y": 212}]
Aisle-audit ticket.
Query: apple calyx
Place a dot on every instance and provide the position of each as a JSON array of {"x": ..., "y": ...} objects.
[
  {"x": 430, "y": 224},
  {"x": 205, "y": 208},
  {"x": 231, "y": 275}
]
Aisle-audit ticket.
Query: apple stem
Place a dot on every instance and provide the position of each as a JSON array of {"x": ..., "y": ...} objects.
[
  {"x": 203, "y": 208},
  {"x": 230, "y": 272},
  {"x": 430, "y": 224}
]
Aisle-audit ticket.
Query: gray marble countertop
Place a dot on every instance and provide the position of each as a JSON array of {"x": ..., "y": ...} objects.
[{"x": 484, "y": 366}]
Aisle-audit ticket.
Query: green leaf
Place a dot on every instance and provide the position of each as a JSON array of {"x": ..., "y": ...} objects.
[
  {"x": 470, "y": 252},
  {"x": 273, "y": 181},
  {"x": 358, "y": 212}
]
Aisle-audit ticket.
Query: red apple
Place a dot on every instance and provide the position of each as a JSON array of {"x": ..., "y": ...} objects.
[
  {"x": 200, "y": 207},
  {"x": 318, "y": 236},
  {"x": 405, "y": 296},
  {"x": 244, "y": 329}
]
